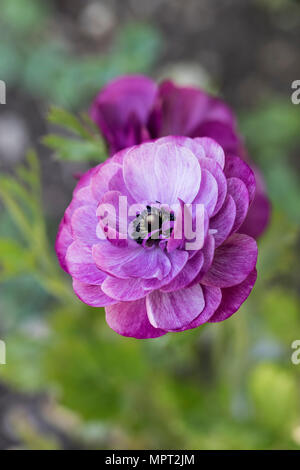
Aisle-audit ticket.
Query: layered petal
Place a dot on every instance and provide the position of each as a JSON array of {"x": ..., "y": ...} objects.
[
  {"x": 187, "y": 274},
  {"x": 165, "y": 173},
  {"x": 212, "y": 299},
  {"x": 238, "y": 190},
  {"x": 81, "y": 266},
  {"x": 92, "y": 295},
  {"x": 222, "y": 133},
  {"x": 222, "y": 223},
  {"x": 131, "y": 261},
  {"x": 174, "y": 310},
  {"x": 130, "y": 319},
  {"x": 216, "y": 171},
  {"x": 233, "y": 297},
  {"x": 233, "y": 262},
  {"x": 123, "y": 289},
  {"x": 237, "y": 168}
]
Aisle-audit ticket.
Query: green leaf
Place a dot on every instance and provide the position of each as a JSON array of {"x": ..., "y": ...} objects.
[
  {"x": 76, "y": 150},
  {"x": 14, "y": 259},
  {"x": 65, "y": 119}
]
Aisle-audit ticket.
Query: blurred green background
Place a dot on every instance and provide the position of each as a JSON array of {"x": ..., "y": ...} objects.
[{"x": 70, "y": 382}]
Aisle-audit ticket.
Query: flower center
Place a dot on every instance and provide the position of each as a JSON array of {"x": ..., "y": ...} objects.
[{"x": 153, "y": 225}]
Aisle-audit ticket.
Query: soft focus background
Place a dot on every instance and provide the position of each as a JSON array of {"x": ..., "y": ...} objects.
[{"x": 70, "y": 381}]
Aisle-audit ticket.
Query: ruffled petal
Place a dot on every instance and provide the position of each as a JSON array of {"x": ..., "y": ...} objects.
[
  {"x": 162, "y": 172},
  {"x": 233, "y": 262},
  {"x": 100, "y": 179},
  {"x": 187, "y": 274},
  {"x": 131, "y": 261},
  {"x": 212, "y": 149},
  {"x": 208, "y": 192},
  {"x": 123, "y": 289},
  {"x": 212, "y": 298},
  {"x": 178, "y": 259},
  {"x": 130, "y": 319},
  {"x": 81, "y": 265},
  {"x": 223, "y": 222},
  {"x": 237, "y": 168},
  {"x": 92, "y": 295},
  {"x": 237, "y": 189},
  {"x": 62, "y": 243},
  {"x": 174, "y": 310},
  {"x": 83, "y": 225},
  {"x": 216, "y": 171},
  {"x": 208, "y": 252},
  {"x": 233, "y": 297}
]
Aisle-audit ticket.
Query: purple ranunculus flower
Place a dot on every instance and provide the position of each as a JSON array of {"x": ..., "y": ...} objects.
[
  {"x": 134, "y": 109},
  {"x": 143, "y": 267}
]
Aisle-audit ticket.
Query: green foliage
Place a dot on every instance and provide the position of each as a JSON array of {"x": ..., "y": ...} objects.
[
  {"x": 275, "y": 396},
  {"x": 273, "y": 133},
  {"x": 87, "y": 146},
  {"x": 23, "y": 15},
  {"x": 50, "y": 71},
  {"x": 30, "y": 252}
]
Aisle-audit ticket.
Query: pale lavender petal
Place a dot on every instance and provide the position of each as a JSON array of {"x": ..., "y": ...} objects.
[
  {"x": 117, "y": 183},
  {"x": 238, "y": 190},
  {"x": 191, "y": 144},
  {"x": 100, "y": 179},
  {"x": 162, "y": 172},
  {"x": 174, "y": 310},
  {"x": 178, "y": 259},
  {"x": 212, "y": 298},
  {"x": 216, "y": 171},
  {"x": 130, "y": 319},
  {"x": 223, "y": 221},
  {"x": 85, "y": 179},
  {"x": 81, "y": 265},
  {"x": 187, "y": 274},
  {"x": 92, "y": 295},
  {"x": 208, "y": 252},
  {"x": 83, "y": 225},
  {"x": 131, "y": 261},
  {"x": 233, "y": 297},
  {"x": 62, "y": 243},
  {"x": 212, "y": 149},
  {"x": 208, "y": 192},
  {"x": 233, "y": 262},
  {"x": 235, "y": 167},
  {"x": 123, "y": 289}
]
